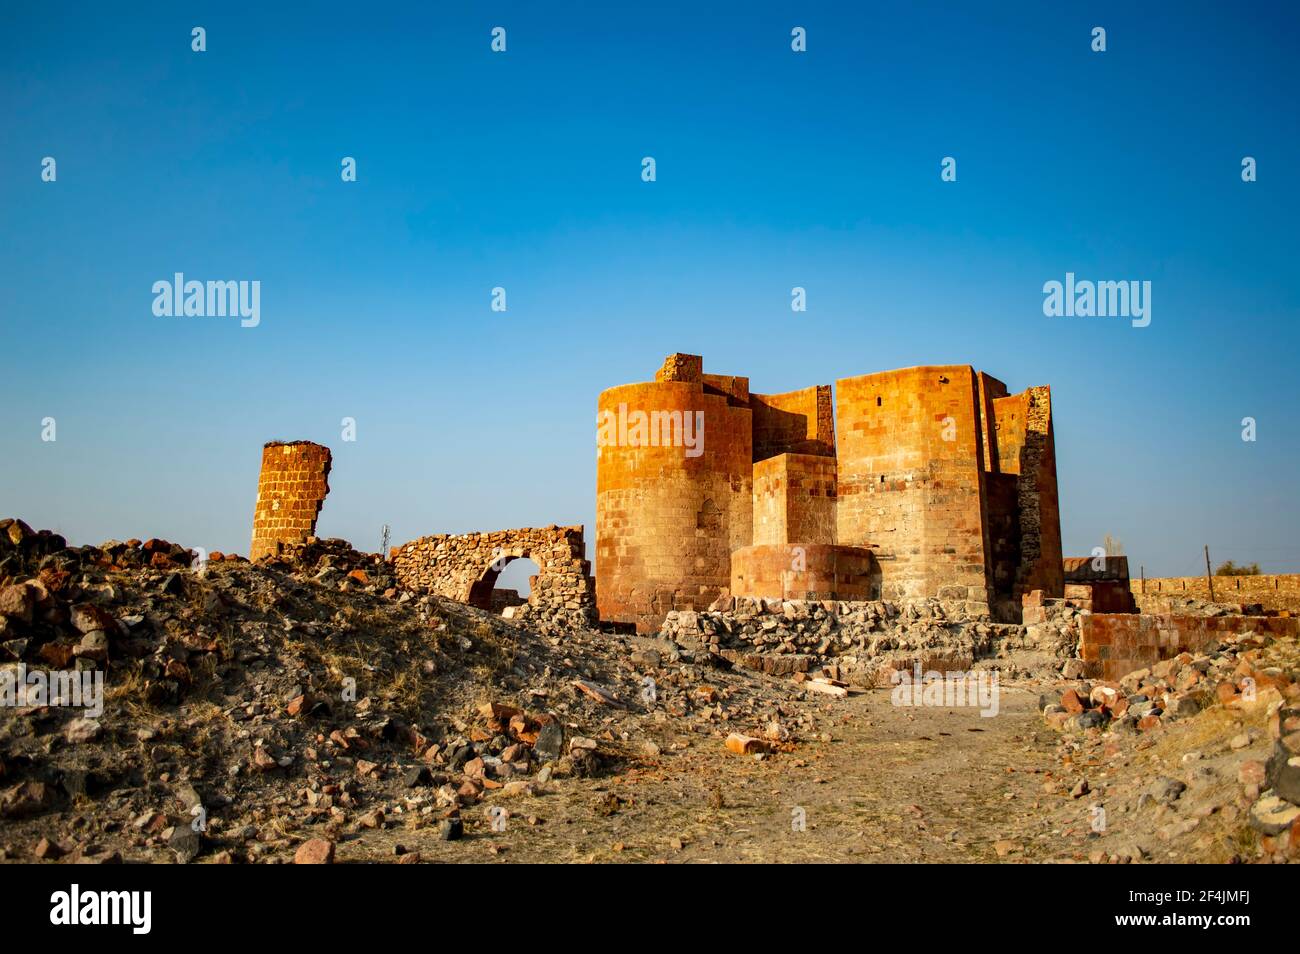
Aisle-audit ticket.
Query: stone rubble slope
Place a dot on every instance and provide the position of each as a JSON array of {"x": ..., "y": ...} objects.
[
  {"x": 303, "y": 699},
  {"x": 1221, "y": 729}
]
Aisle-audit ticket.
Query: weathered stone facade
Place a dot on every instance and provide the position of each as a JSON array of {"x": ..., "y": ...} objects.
[
  {"x": 290, "y": 491},
  {"x": 807, "y": 571},
  {"x": 937, "y": 474},
  {"x": 465, "y": 567}
]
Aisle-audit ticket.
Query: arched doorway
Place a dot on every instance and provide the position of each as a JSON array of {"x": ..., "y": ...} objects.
[{"x": 507, "y": 581}]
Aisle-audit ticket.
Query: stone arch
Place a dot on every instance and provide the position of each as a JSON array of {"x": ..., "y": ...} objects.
[
  {"x": 465, "y": 567},
  {"x": 479, "y": 592}
]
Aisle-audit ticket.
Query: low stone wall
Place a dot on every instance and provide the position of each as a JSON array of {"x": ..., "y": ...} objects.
[
  {"x": 465, "y": 567},
  {"x": 1114, "y": 644},
  {"x": 1275, "y": 592}
]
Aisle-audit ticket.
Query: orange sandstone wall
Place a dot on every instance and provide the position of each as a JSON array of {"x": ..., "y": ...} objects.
[
  {"x": 805, "y": 572},
  {"x": 990, "y": 389},
  {"x": 1113, "y": 645},
  {"x": 290, "y": 491},
  {"x": 666, "y": 522},
  {"x": 904, "y": 486},
  {"x": 794, "y": 499},
  {"x": 799, "y": 422}
]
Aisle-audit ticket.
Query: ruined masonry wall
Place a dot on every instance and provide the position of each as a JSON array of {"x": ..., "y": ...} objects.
[
  {"x": 1273, "y": 592},
  {"x": 290, "y": 491},
  {"x": 465, "y": 567},
  {"x": 1113, "y": 645}
]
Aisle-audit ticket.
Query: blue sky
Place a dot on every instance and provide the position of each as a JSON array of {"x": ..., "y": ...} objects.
[{"x": 522, "y": 170}]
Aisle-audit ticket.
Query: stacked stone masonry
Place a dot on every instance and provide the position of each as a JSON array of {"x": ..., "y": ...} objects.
[
  {"x": 1099, "y": 584},
  {"x": 1279, "y": 593},
  {"x": 465, "y": 567},
  {"x": 928, "y": 482},
  {"x": 290, "y": 491},
  {"x": 1113, "y": 645}
]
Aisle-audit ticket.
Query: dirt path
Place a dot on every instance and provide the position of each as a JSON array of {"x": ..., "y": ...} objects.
[{"x": 892, "y": 784}]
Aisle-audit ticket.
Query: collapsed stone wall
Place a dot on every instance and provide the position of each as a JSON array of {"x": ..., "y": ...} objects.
[
  {"x": 865, "y": 641},
  {"x": 291, "y": 489},
  {"x": 465, "y": 567},
  {"x": 1098, "y": 584}
]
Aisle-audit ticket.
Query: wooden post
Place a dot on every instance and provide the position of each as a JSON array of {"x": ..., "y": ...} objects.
[
  {"x": 1142, "y": 570},
  {"x": 1209, "y": 577}
]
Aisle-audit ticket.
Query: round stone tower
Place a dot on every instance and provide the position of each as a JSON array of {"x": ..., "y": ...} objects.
[{"x": 674, "y": 491}]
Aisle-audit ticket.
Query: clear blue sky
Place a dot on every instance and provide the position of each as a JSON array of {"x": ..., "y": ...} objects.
[{"x": 523, "y": 170}]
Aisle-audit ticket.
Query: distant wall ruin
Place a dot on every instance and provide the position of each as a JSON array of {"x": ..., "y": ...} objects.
[
  {"x": 1275, "y": 592},
  {"x": 291, "y": 488}
]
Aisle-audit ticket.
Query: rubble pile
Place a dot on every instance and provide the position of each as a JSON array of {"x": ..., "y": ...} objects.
[
  {"x": 1227, "y": 718},
  {"x": 266, "y": 711},
  {"x": 865, "y": 641},
  {"x": 332, "y": 560}
]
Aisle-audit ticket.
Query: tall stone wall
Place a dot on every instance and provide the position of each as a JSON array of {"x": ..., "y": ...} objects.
[
  {"x": 798, "y": 422},
  {"x": 667, "y": 518},
  {"x": 911, "y": 480},
  {"x": 291, "y": 488},
  {"x": 1039, "y": 504},
  {"x": 465, "y": 567},
  {"x": 990, "y": 389}
]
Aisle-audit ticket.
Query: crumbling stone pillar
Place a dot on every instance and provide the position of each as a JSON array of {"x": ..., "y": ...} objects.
[{"x": 290, "y": 491}]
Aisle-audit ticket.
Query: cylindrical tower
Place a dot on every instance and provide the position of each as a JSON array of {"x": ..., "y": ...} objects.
[
  {"x": 674, "y": 486},
  {"x": 290, "y": 491}
]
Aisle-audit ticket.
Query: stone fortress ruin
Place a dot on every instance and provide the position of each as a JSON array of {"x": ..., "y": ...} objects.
[
  {"x": 926, "y": 482},
  {"x": 927, "y": 490}
]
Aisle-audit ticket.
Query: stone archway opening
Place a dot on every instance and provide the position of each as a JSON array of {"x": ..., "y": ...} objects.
[
  {"x": 467, "y": 567},
  {"x": 506, "y": 582}
]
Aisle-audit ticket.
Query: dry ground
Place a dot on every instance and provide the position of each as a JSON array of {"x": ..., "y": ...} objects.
[{"x": 891, "y": 784}]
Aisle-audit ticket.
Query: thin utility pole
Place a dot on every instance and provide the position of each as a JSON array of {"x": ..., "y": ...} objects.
[{"x": 1209, "y": 577}]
